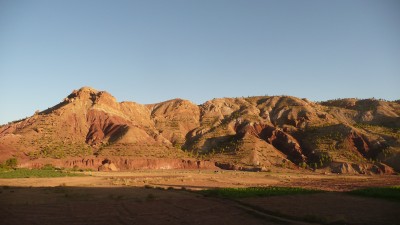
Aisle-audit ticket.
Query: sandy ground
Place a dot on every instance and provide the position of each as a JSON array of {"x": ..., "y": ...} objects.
[
  {"x": 203, "y": 179},
  {"x": 163, "y": 197}
]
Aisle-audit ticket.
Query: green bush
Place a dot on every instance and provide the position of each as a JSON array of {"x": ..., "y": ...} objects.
[
  {"x": 9, "y": 163},
  {"x": 48, "y": 167},
  {"x": 75, "y": 168},
  {"x": 13, "y": 162},
  {"x": 303, "y": 165}
]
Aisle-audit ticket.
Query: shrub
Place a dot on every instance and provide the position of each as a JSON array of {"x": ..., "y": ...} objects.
[
  {"x": 48, "y": 167},
  {"x": 75, "y": 168},
  {"x": 10, "y": 163},
  {"x": 303, "y": 165}
]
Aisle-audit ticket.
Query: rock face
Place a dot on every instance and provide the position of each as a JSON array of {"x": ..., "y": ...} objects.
[
  {"x": 254, "y": 134},
  {"x": 120, "y": 163},
  {"x": 279, "y": 139},
  {"x": 108, "y": 167},
  {"x": 352, "y": 168}
]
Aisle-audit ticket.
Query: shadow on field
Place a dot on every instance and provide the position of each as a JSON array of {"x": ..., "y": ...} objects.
[
  {"x": 119, "y": 205},
  {"x": 134, "y": 205}
]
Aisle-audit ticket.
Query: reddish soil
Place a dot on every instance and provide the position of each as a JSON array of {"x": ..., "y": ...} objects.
[
  {"x": 260, "y": 133},
  {"x": 68, "y": 205},
  {"x": 141, "y": 197},
  {"x": 330, "y": 208}
]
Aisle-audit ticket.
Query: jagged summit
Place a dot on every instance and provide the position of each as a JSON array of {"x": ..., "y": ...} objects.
[
  {"x": 83, "y": 92},
  {"x": 253, "y": 133},
  {"x": 87, "y": 89},
  {"x": 88, "y": 93}
]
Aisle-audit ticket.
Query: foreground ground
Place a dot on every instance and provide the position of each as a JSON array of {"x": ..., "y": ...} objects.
[{"x": 170, "y": 197}]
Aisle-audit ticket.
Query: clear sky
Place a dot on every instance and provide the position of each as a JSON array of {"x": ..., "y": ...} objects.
[{"x": 153, "y": 50}]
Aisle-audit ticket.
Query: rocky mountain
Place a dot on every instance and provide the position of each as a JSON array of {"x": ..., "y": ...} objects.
[{"x": 90, "y": 129}]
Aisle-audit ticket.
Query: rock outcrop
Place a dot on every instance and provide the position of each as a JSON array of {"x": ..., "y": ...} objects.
[
  {"x": 114, "y": 163},
  {"x": 254, "y": 134}
]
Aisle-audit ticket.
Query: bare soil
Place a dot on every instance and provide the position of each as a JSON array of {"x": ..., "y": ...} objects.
[
  {"x": 169, "y": 197},
  {"x": 330, "y": 208}
]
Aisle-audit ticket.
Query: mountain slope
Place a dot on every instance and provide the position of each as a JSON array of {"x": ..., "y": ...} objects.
[{"x": 254, "y": 133}]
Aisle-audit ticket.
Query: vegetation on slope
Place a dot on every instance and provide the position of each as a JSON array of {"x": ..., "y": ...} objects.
[{"x": 259, "y": 132}]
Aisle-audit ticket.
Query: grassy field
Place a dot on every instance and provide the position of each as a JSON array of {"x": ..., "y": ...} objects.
[
  {"x": 390, "y": 193},
  {"x": 38, "y": 173},
  {"x": 233, "y": 193}
]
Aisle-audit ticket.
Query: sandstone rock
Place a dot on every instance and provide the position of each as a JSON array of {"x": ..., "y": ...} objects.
[
  {"x": 342, "y": 168},
  {"x": 239, "y": 133},
  {"x": 108, "y": 167},
  {"x": 380, "y": 168},
  {"x": 347, "y": 168},
  {"x": 360, "y": 168}
]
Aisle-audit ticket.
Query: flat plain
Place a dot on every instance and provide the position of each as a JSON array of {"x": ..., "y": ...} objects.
[{"x": 175, "y": 197}]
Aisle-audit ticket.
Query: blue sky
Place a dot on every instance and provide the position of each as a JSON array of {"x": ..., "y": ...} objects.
[{"x": 153, "y": 50}]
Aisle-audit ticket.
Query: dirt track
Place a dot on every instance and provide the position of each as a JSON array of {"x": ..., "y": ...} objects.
[{"x": 126, "y": 198}]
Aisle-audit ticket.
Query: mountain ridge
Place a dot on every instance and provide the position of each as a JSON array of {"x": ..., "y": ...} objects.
[{"x": 253, "y": 133}]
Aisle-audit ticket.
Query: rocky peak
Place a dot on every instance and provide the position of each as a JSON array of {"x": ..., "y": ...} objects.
[
  {"x": 174, "y": 106},
  {"x": 252, "y": 131},
  {"x": 93, "y": 95},
  {"x": 84, "y": 93},
  {"x": 105, "y": 98}
]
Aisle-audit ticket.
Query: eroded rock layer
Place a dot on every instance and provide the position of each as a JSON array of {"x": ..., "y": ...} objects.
[{"x": 254, "y": 133}]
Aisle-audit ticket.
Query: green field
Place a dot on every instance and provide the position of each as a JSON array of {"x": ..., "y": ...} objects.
[
  {"x": 28, "y": 173},
  {"x": 233, "y": 193},
  {"x": 390, "y": 193}
]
